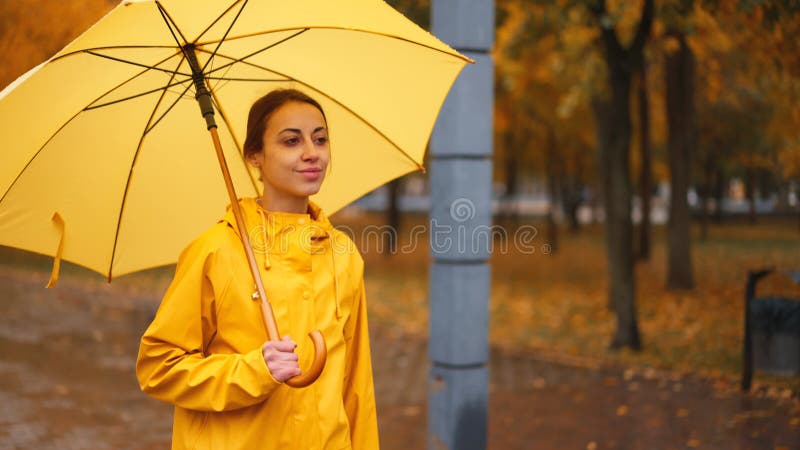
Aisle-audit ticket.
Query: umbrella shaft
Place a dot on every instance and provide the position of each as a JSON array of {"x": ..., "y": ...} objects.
[
  {"x": 266, "y": 310},
  {"x": 202, "y": 94},
  {"x": 203, "y": 97}
]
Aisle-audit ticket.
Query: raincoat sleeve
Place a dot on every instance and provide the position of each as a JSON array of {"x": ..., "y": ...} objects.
[
  {"x": 359, "y": 392},
  {"x": 172, "y": 365}
]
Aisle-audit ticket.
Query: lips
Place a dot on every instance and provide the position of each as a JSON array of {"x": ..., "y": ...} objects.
[{"x": 311, "y": 173}]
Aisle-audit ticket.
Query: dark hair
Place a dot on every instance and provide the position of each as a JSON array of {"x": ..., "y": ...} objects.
[{"x": 263, "y": 108}]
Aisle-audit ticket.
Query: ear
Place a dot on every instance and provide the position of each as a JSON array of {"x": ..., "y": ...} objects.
[{"x": 254, "y": 159}]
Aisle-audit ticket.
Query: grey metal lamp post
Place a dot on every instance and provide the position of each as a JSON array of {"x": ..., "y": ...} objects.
[{"x": 460, "y": 237}]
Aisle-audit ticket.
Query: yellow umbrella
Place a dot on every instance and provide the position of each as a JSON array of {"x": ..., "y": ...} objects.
[{"x": 104, "y": 139}]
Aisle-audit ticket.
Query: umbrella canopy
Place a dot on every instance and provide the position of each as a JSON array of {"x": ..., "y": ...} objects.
[{"x": 105, "y": 151}]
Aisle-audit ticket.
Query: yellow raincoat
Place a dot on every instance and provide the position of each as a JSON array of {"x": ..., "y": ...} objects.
[{"x": 202, "y": 352}]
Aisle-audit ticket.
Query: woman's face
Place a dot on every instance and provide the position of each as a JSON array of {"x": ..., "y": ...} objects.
[{"x": 295, "y": 154}]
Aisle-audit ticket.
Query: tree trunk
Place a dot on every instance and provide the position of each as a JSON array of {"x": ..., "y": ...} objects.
[
  {"x": 613, "y": 119},
  {"x": 553, "y": 175},
  {"x": 572, "y": 196},
  {"x": 508, "y": 211},
  {"x": 613, "y": 123},
  {"x": 392, "y": 218},
  {"x": 750, "y": 192},
  {"x": 645, "y": 176},
  {"x": 679, "y": 72},
  {"x": 719, "y": 196},
  {"x": 704, "y": 202},
  {"x": 708, "y": 186}
]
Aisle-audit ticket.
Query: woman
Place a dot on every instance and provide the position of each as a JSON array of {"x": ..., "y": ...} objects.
[{"x": 205, "y": 351}]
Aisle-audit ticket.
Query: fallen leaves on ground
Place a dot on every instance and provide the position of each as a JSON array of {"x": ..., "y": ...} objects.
[{"x": 557, "y": 303}]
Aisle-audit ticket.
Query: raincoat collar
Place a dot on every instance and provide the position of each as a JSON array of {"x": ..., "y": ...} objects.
[{"x": 275, "y": 222}]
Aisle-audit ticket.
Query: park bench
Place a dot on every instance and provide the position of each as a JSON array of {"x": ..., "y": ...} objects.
[{"x": 771, "y": 330}]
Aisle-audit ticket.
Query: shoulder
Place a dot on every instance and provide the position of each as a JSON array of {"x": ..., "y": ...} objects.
[
  {"x": 344, "y": 248},
  {"x": 216, "y": 239}
]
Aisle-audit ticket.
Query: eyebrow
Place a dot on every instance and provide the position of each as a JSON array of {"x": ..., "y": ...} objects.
[{"x": 299, "y": 131}]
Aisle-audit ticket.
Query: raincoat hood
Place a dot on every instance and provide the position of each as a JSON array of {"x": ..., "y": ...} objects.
[
  {"x": 255, "y": 216},
  {"x": 202, "y": 352}
]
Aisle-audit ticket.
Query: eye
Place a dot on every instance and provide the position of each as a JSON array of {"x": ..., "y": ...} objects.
[
  {"x": 291, "y": 141},
  {"x": 321, "y": 140}
]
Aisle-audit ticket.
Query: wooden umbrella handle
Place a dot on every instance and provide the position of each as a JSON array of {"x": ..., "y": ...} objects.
[
  {"x": 320, "y": 356},
  {"x": 320, "y": 350}
]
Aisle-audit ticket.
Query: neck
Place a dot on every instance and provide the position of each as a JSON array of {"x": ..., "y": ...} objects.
[{"x": 294, "y": 205}]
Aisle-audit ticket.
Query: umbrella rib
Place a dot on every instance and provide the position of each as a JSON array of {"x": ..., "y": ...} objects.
[
  {"x": 177, "y": 83},
  {"x": 248, "y": 79},
  {"x": 35, "y": 155},
  {"x": 366, "y": 122},
  {"x": 147, "y": 129},
  {"x": 122, "y": 84},
  {"x": 155, "y": 67},
  {"x": 218, "y": 81},
  {"x": 142, "y": 94},
  {"x": 244, "y": 36},
  {"x": 224, "y": 36},
  {"x": 134, "y": 63},
  {"x": 108, "y": 47},
  {"x": 170, "y": 24},
  {"x": 306, "y": 28},
  {"x": 236, "y": 60},
  {"x": 64, "y": 125}
]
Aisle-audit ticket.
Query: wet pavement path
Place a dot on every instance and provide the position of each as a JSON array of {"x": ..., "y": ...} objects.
[{"x": 67, "y": 382}]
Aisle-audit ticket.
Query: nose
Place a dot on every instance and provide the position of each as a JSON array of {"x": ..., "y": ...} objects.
[{"x": 310, "y": 151}]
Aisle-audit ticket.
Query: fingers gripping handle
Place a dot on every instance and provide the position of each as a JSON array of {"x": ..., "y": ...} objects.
[{"x": 312, "y": 373}]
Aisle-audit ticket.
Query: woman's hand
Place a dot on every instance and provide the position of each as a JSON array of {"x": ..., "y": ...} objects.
[{"x": 281, "y": 359}]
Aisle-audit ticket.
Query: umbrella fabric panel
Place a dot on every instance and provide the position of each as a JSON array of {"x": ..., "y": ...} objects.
[
  {"x": 366, "y": 15},
  {"x": 384, "y": 86},
  {"x": 386, "y": 90},
  {"x": 150, "y": 29},
  {"x": 176, "y": 190},
  {"x": 36, "y": 109},
  {"x": 81, "y": 173},
  {"x": 368, "y": 164},
  {"x": 205, "y": 21},
  {"x": 330, "y": 46}
]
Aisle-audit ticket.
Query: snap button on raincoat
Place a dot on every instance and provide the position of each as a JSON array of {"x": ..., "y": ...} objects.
[{"x": 202, "y": 352}]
